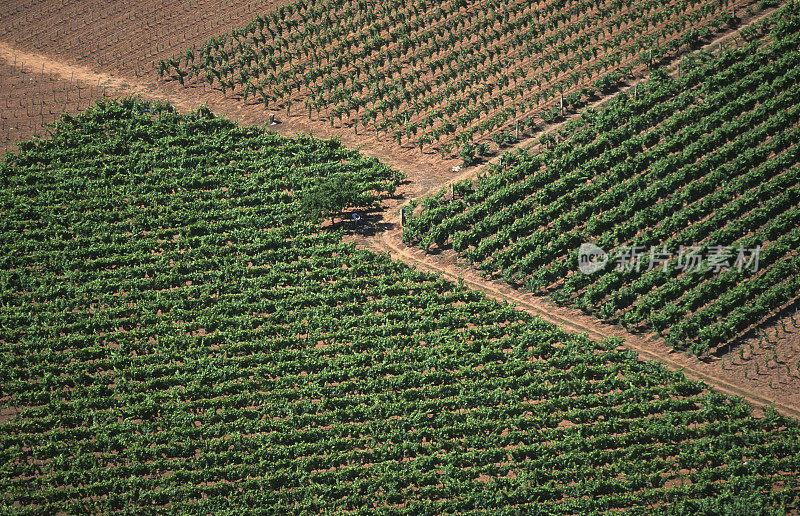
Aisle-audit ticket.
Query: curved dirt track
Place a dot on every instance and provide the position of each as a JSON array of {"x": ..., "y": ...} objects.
[{"x": 426, "y": 178}]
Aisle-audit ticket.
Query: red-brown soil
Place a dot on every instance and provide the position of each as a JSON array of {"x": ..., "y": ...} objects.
[
  {"x": 124, "y": 37},
  {"x": 31, "y": 99}
]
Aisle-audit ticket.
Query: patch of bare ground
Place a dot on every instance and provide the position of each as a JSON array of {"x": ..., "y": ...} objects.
[
  {"x": 125, "y": 37},
  {"x": 31, "y": 98}
]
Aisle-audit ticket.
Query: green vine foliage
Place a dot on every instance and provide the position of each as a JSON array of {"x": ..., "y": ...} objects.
[{"x": 176, "y": 337}]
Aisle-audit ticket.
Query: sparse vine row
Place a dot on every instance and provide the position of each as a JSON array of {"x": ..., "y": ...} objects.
[
  {"x": 445, "y": 73},
  {"x": 33, "y": 99}
]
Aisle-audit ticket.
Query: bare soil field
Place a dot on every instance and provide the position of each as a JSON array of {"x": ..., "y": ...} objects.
[
  {"x": 124, "y": 37},
  {"x": 30, "y": 99}
]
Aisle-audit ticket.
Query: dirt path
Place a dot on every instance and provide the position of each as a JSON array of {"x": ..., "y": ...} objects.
[
  {"x": 423, "y": 171},
  {"x": 425, "y": 179},
  {"x": 648, "y": 347}
]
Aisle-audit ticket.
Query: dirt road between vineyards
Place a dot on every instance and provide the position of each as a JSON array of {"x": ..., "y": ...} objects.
[
  {"x": 423, "y": 181},
  {"x": 648, "y": 347}
]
